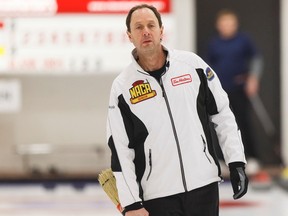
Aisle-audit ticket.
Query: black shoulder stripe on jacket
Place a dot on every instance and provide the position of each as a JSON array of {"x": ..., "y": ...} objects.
[
  {"x": 206, "y": 105},
  {"x": 210, "y": 100}
]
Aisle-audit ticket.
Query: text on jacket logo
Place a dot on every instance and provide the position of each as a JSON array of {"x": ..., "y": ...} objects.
[
  {"x": 181, "y": 79},
  {"x": 141, "y": 91}
]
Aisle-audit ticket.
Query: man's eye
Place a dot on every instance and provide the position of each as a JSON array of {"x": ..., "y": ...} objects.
[{"x": 151, "y": 25}]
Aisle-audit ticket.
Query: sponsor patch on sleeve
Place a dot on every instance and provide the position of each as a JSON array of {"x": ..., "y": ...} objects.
[{"x": 209, "y": 74}]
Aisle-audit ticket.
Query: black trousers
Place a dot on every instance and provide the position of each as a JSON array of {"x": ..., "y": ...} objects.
[
  {"x": 241, "y": 107},
  {"x": 202, "y": 201}
]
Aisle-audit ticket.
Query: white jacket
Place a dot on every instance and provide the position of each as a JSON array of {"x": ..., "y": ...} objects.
[{"x": 159, "y": 132}]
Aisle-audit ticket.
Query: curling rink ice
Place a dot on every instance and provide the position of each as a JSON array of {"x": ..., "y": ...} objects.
[{"x": 35, "y": 200}]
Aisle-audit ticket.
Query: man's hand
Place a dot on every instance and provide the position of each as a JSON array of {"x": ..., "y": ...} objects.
[
  {"x": 138, "y": 212},
  {"x": 252, "y": 86},
  {"x": 238, "y": 179}
]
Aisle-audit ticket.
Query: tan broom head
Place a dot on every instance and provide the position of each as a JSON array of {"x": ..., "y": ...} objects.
[{"x": 108, "y": 183}]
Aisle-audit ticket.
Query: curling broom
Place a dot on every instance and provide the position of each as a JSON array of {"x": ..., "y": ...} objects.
[{"x": 108, "y": 182}]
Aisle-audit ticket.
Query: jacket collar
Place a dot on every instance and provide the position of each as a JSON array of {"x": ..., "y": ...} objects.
[{"x": 134, "y": 58}]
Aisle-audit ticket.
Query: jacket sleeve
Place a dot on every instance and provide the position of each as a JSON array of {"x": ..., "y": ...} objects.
[
  {"x": 221, "y": 115},
  {"x": 121, "y": 155}
]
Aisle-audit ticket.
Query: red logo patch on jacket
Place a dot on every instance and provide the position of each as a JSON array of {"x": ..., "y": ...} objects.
[{"x": 181, "y": 80}]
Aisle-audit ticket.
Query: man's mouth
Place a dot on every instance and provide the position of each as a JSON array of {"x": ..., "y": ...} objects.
[{"x": 147, "y": 41}]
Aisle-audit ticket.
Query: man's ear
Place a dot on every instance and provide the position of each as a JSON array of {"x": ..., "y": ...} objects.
[
  {"x": 129, "y": 35},
  {"x": 162, "y": 30}
]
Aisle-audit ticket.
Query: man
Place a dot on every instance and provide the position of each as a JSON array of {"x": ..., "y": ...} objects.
[
  {"x": 238, "y": 64},
  {"x": 159, "y": 110}
]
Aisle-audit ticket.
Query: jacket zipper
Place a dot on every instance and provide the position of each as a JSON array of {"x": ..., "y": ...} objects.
[
  {"x": 150, "y": 164},
  {"x": 174, "y": 131},
  {"x": 204, "y": 149},
  {"x": 175, "y": 135}
]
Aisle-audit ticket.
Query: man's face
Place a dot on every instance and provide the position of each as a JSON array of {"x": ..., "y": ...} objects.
[
  {"x": 145, "y": 32},
  {"x": 227, "y": 25}
]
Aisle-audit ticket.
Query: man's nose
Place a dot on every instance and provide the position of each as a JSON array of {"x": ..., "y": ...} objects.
[{"x": 146, "y": 32}]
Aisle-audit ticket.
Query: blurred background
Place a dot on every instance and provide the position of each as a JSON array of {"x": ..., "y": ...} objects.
[{"x": 58, "y": 59}]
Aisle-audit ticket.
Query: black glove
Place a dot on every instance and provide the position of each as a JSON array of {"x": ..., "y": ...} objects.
[{"x": 238, "y": 179}]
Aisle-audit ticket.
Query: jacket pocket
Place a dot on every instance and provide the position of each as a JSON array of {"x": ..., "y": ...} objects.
[
  {"x": 205, "y": 148},
  {"x": 150, "y": 164}
]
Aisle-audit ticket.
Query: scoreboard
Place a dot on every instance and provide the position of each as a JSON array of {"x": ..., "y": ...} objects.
[{"x": 86, "y": 36}]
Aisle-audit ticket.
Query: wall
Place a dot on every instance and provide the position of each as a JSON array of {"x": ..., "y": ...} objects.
[
  {"x": 60, "y": 110},
  {"x": 185, "y": 15},
  {"x": 284, "y": 78}
]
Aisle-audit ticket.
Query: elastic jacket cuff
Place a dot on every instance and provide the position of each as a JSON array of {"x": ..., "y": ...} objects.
[
  {"x": 134, "y": 206},
  {"x": 234, "y": 165}
]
